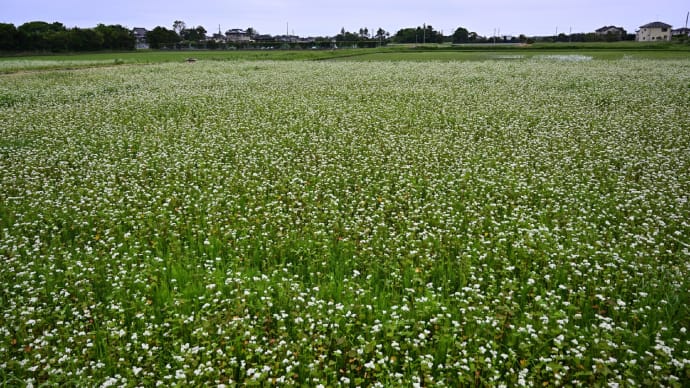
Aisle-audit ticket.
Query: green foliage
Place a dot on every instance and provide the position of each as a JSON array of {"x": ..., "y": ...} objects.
[
  {"x": 161, "y": 37},
  {"x": 116, "y": 37},
  {"x": 41, "y": 36},
  {"x": 418, "y": 35},
  {"x": 8, "y": 37},
  {"x": 461, "y": 35}
]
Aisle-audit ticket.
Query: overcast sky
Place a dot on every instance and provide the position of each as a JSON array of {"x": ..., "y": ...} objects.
[{"x": 326, "y": 18}]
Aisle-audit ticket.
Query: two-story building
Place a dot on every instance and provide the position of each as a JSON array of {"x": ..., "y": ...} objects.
[
  {"x": 654, "y": 32},
  {"x": 140, "y": 37},
  {"x": 610, "y": 31},
  {"x": 237, "y": 35}
]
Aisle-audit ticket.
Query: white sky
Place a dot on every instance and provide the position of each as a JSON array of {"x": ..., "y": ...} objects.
[{"x": 326, "y": 18}]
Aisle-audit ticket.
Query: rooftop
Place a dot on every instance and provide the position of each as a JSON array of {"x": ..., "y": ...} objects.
[{"x": 656, "y": 25}]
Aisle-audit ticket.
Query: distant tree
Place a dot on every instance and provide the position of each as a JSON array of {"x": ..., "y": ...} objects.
[
  {"x": 58, "y": 40},
  {"x": 84, "y": 39},
  {"x": 116, "y": 37},
  {"x": 9, "y": 38},
  {"x": 178, "y": 27},
  {"x": 195, "y": 34},
  {"x": 251, "y": 32},
  {"x": 614, "y": 37},
  {"x": 461, "y": 35},
  {"x": 577, "y": 37},
  {"x": 418, "y": 35},
  {"x": 36, "y": 35},
  {"x": 433, "y": 36},
  {"x": 346, "y": 36},
  {"x": 405, "y": 35},
  {"x": 55, "y": 37},
  {"x": 161, "y": 37}
]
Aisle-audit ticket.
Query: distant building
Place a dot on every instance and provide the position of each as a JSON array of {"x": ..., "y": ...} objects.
[
  {"x": 287, "y": 38},
  {"x": 610, "y": 30},
  {"x": 681, "y": 31},
  {"x": 263, "y": 38},
  {"x": 237, "y": 35},
  {"x": 140, "y": 38},
  {"x": 653, "y": 32},
  {"x": 219, "y": 38}
]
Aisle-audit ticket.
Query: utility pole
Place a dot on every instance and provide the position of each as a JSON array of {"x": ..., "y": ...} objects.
[{"x": 424, "y": 34}]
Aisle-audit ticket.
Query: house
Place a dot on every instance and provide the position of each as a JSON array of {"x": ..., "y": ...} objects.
[
  {"x": 219, "y": 38},
  {"x": 610, "y": 30},
  {"x": 287, "y": 38},
  {"x": 654, "y": 31},
  {"x": 237, "y": 35},
  {"x": 681, "y": 31},
  {"x": 140, "y": 37},
  {"x": 264, "y": 38}
]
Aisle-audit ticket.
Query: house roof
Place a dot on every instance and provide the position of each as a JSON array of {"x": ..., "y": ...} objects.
[
  {"x": 606, "y": 28},
  {"x": 656, "y": 25}
]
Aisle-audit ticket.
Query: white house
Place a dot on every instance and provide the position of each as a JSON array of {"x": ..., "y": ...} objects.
[
  {"x": 237, "y": 35},
  {"x": 140, "y": 37},
  {"x": 654, "y": 31}
]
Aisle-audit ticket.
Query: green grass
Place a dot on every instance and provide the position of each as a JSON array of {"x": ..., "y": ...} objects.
[
  {"x": 513, "y": 54},
  {"x": 10, "y": 64},
  {"x": 441, "y": 223},
  {"x": 407, "y": 52}
]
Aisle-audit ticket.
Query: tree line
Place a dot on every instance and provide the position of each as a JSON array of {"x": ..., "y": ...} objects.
[{"x": 43, "y": 36}]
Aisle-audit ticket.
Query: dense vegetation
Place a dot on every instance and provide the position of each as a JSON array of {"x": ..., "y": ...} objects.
[
  {"x": 42, "y": 36},
  {"x": 516, "y": 221}
]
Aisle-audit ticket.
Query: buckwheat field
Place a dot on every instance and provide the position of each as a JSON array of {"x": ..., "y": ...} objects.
[{"x": 510, "y": 222}]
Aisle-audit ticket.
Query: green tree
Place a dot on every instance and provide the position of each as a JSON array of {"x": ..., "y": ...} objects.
[
  {"x": 346, "y": 36},
  {"x": 380, "y": 33},
  {"x": 161, "y": 37},
  {"x": 9, "y": 37},
  {"x": 195, "y": 34},
  {"x": 179, "y": 26},
  {"x": 461, "y": 35},
  {"x": 84, "y": 39},
  {"x": 116, "y": 37},
  {"x": 36, "y": 35},
  {"x": 418, "y": 35}
]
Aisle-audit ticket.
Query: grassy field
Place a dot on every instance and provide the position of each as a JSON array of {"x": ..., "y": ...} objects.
[
  {"x": 407, "y": 52},
  {"x": 508, "y": 222}
]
